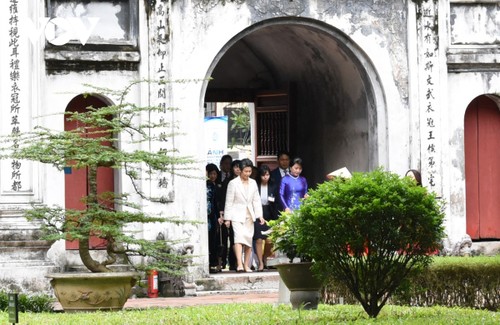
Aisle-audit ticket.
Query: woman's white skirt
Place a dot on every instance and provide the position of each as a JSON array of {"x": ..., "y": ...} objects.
[{"x": 243, "y": 232}]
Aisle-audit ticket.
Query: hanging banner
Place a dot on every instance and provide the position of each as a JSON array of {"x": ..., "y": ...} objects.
[{"x": 215, "y": 138}]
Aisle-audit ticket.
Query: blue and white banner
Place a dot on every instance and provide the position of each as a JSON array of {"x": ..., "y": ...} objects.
[{"x": 215, "y": 138}]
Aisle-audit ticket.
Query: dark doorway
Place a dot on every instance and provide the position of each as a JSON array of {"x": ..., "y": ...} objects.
[{"x": 334, "y": 116}]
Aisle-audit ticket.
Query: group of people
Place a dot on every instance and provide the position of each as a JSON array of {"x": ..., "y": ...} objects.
[{"x": 241, "y": 199}]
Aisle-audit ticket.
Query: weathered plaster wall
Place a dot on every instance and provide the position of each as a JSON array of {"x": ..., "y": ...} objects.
[
  {"x": 377, "y": 29},
  {"x": 486, "y": 17}
]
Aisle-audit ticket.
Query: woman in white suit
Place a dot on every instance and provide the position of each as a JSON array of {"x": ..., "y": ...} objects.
[{"x": 243, "y": 207}]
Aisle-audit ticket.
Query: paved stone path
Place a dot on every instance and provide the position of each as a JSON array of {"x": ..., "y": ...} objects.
[
  {"x": 202, "y": 300},
  {"x": 144, "y": 303}
]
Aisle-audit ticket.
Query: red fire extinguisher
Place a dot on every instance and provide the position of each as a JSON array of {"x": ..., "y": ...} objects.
[{"x": 153, "y": 284}]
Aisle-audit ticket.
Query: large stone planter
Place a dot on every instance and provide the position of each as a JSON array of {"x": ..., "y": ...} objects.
[
  {"x": 303, "y": 285},
  {"x": 93, "y": 291}
]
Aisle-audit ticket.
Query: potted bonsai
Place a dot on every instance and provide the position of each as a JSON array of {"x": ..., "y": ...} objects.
[
  {"x": 297, "y": 275},
  {"x": 104, "y": 137}
]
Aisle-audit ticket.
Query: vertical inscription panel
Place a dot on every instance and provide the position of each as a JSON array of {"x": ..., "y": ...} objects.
[
  {"x": 428, "y": 47},
  {"x": 16, "y": 176},
  {"x": 162, "y": 183}
]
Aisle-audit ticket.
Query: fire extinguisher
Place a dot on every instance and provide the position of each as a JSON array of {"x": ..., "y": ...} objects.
[{"x": 153, "y": 284}]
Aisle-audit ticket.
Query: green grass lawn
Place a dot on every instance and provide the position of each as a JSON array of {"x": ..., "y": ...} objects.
[
  {"x": 458, "y": 260},
  {"x": 265, "y": 314}
]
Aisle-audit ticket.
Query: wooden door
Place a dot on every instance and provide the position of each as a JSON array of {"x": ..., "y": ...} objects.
[
  {"x": 482, "y": 168},
  {"x": 76, "y": 186},
  {"x": 273, "y": 125}
]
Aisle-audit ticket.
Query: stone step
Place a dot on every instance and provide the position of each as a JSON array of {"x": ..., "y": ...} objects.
[
  {"x": 228, "y": 282},
  {"x": 230, "y": 293},
  {"x": 19, "y": 244},
  {"x": 23, "y": 250},
  {"x": 17, "y": 266}
]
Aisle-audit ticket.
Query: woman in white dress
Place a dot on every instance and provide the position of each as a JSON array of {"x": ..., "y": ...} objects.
[{"x": 243, "y": 207}]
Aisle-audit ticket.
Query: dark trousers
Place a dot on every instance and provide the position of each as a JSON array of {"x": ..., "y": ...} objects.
[
  {"x": 228, "y": 255},
  {"x": 213, "y": 246}
]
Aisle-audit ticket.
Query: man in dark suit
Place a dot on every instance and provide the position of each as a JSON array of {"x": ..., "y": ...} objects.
[
  {"x": 279, "y": 172},
  {"x": 227, "y": 253},
  {"x": 225, "y": 168}
]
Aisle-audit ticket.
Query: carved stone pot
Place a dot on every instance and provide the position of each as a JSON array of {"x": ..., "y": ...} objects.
[
  {"x": 303, "y": 285},
  {"x": 92, "y": 291}
]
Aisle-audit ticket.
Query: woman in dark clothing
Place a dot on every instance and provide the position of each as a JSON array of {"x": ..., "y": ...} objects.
[
  {"x": 269, "y": 196},
  {"x": 227, "y": 232},
  {"x": 213, "y": 217}
]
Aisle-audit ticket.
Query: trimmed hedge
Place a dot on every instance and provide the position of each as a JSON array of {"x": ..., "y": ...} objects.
[
  {"x": 29, "y": 303},
  {"x": 472, "y": 282}
]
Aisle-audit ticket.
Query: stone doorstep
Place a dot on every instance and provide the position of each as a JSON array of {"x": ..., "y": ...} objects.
[
  {"x": 228, "y": 282},
  {"x": 232, "y": 292},
  {"x": 486, "y": 247}
]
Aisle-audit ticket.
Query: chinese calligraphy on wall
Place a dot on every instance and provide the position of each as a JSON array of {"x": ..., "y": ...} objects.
[
  {"x": 15, "y": 98},
  {"x": 159, "y": 94},
  {"x": 429, "y": 97}
]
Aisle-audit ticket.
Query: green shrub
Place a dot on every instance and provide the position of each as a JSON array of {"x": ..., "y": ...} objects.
[
  {"x": 28, "y": 303},
  {"x": 457, "y": 282},
  {"x": 369, "y": 232},
  {"x": 468, "y": 282}
]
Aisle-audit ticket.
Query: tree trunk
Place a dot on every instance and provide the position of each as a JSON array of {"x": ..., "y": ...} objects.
[
  {"x": 84, "y": 243},
  {"x": 88, "y": 261}
]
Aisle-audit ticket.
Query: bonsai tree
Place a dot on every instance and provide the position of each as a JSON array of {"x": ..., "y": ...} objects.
[
  {"x": 369, "y": 232},
  {"x": 105, "y": 137}
]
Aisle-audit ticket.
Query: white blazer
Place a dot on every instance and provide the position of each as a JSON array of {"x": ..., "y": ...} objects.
[{"x": 238, "y": 201}]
